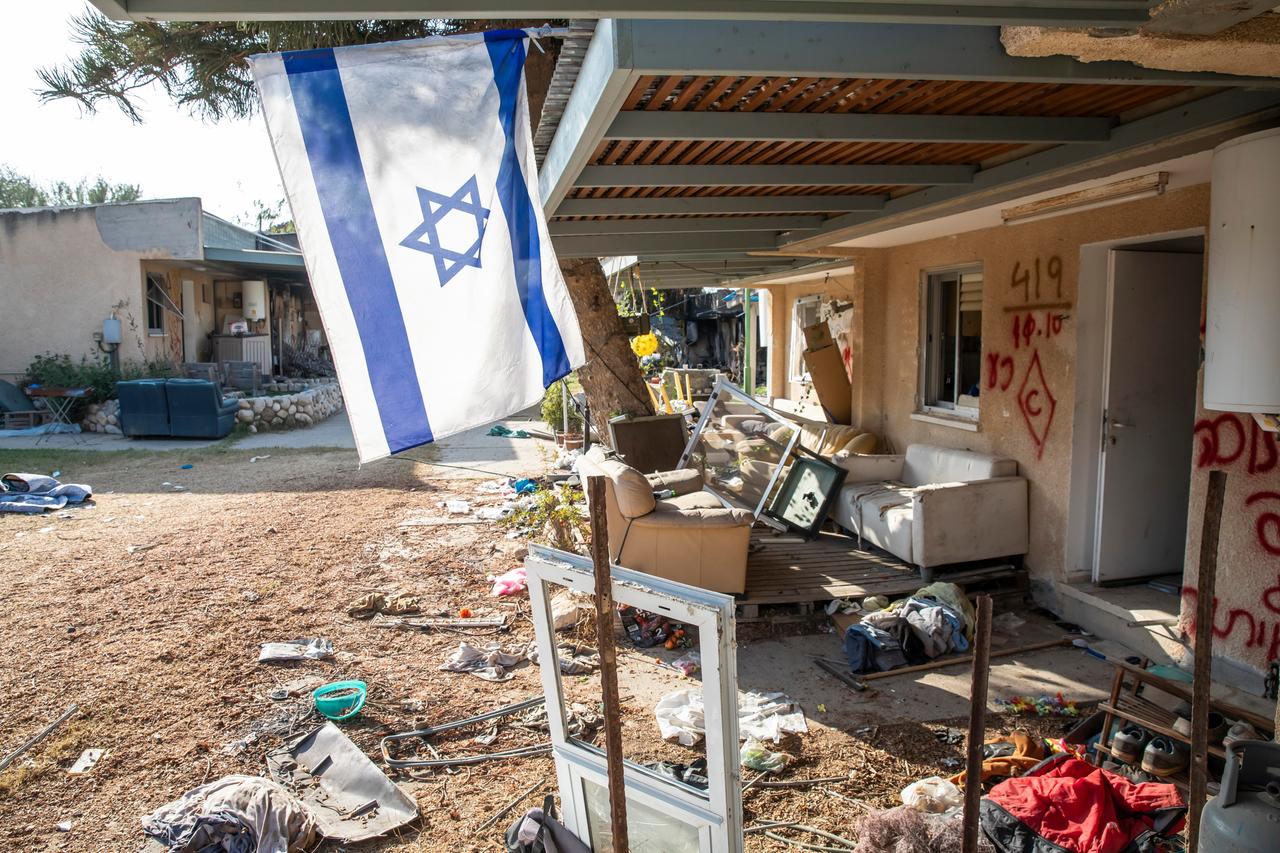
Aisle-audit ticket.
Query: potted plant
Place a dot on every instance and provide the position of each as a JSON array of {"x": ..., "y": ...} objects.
[{"x": 553, "y": 413}]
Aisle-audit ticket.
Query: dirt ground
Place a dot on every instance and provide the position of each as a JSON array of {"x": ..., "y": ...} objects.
[{"x": 147, "y": 611}]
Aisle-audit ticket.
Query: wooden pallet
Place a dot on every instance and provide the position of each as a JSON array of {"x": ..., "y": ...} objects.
[{"x": 787, "y": 569}]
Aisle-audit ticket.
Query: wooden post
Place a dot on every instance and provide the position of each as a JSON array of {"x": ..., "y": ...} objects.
[
  {"x": 1202, "y": 673},
  {"x": 977, "y": 724},
  {"x": 608, "y": 661}
]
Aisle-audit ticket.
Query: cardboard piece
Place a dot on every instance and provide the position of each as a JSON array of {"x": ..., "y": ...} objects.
[
  {"x": 817, "y": 336},
  {"x": 830, "y": 383}
]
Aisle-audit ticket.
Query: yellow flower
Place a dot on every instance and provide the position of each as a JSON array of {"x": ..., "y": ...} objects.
[{"x": 643, "y": 345}]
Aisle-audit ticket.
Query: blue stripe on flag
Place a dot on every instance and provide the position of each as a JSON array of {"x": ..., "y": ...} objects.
[
  {"x": 339, "y": 179},
  {"x": 507, "y": 55}
]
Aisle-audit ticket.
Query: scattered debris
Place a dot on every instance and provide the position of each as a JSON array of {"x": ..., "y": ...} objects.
[
  {"x": 456, "y": 507},
  {"x": 574, "y": 659},
  {"x": 256, "y": 458},
  {"x": 298, "y": 687},
  {"x": 469, "y": 625},
  {"x": 754, "y": 755},
  {"x": 580, "y": 721},
  {"x": 85, "y": 762},
  {"x": 904, "y": 828},
  {"x": 134, "y": 549},
  {"x": 316, "y": 648},
  {"x": 766, "y": 716},
  {"x": 506, "y": 810},
  {"x": 282, "y": 720},
  {"x": 340, "y": 700},
  {"x": 1040, "y": 706},
  {"x": 63, "y": 826},
  {"x": 349, "y": 797},
  {"x": 567, "y": 607},
  {"x": 438, "y": 521},
  {"x": 490, "y": 663},
  {"x": 934, "y": 795},
  {"x": 37, "y": 737},
  {"x": 438, "y": 761},
  {"x": 693, "y": 774},
  {"x": 235, "y": 813},
  {"x": 370, "y": 604},
  {"x": 512, "y": 582}
]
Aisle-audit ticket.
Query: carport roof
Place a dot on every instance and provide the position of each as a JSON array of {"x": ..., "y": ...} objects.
[{"x": 712, "y": 141}]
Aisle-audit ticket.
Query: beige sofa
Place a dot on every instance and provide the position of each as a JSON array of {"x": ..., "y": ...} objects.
[
  {"x": 690, "y": 537},
  {"x": 934, "y": 505}
]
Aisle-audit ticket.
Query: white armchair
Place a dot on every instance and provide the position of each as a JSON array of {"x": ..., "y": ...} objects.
[{"x": 934, "y": 505}]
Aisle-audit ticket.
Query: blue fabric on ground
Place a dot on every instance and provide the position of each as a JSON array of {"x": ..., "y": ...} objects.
[{"x": 29, "y": 504}]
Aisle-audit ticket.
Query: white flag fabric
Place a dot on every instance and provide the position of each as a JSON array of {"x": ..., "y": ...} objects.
[{"x": 410, "y": 170}]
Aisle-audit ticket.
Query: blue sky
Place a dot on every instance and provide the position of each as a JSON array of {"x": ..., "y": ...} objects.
[{"x": 228, "y": 164}]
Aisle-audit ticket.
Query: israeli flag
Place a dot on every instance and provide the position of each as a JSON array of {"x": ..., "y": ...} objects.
[{"x": 410, "y": 170}]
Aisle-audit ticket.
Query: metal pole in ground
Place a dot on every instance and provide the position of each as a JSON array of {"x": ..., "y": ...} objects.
[
  {"x": 977, "y": 724},
  {"x": 1202, "y": 674},
  {"x": 608, "y": 662}
]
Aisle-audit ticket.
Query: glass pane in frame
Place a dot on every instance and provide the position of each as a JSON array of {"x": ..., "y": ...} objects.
[
  {"x": 716, "y": 813},
  {"x": 741, "y": 447}
]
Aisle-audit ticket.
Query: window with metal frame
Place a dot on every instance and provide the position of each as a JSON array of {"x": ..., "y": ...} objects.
[
  {"x": 742, "y": 448},
  {"x": 951, "y": 341},
  {"x": 805, "y": 312},
  {"x": 155, "y": 305},
  {"x": 663, "y": 816}
]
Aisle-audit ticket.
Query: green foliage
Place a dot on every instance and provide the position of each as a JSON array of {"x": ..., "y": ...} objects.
[
  {"x": 553, "y": 410},
  {"x": 554, "y": 514},
  {"x": 59, "y": 371},
  {"x": 202, "y": 66},
  {"x": 20, "y": 191}
]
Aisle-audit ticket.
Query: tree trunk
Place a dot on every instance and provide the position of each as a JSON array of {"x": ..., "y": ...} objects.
[{"x": 611, "y": 377}]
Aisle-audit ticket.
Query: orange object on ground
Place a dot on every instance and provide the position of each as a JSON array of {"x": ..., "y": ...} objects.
[
  {"x": 465, "y": 613},
  {"x": 1028, "y": 751}
]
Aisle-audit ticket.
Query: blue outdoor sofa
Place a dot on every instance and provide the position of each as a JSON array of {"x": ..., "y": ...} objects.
[{"x": 180, "y": 408}]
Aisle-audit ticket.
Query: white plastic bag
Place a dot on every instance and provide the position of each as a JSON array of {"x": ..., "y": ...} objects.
[
  {"x": 933, "y": 795},
  {"x": 680, "y": 716},
  {"x": 754, "y": 755}
]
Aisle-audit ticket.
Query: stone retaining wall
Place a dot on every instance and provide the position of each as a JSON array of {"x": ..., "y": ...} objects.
[
  {"x": 291, "y": 411},
  {"x": 309, "y": 402}
]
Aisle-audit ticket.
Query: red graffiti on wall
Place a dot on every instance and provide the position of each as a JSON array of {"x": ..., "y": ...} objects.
[
  {"x": 1026, "y": 327},
  {"x": 999, "y": 371},
  {"x": 1225, "y": 439},
  {"x": 1262, "y": 628},
  {"x": 1266, "y": 522},
  {"x": 1037, "y": 403}
]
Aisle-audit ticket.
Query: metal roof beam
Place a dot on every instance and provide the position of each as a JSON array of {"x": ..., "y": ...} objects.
[
  {"x": 874, "y": 51},
  {"x": 1186, "y": 129},
  {"x": 692, "y": 245},
  {"x": 711, "y": 205},
  {"x": 603, "y": 84},
  {"x": 704, "y": 225},
  {"x": 1048, "y": 13},
  {"x": 773, "y": 176},
  {"x": 853, "y": 127}
]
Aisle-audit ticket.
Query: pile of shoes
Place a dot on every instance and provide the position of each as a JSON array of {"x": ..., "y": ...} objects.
[{"x": 1159, "y": 756}]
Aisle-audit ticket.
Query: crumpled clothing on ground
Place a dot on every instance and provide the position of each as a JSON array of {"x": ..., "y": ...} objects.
[
  {"x": 366, "y": 606},
  {"x": 490, "y": 663},
  {"x": 34, "y": 493},
  {"x": 574, "y": 659},
  {"x": 236, "y": 814},
  {"x": 870, "y": 649}
]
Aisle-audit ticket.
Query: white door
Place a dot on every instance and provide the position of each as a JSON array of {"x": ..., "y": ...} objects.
[
  {"x": 1149, "y": 399},
  {"x": 190, "y": 323}
]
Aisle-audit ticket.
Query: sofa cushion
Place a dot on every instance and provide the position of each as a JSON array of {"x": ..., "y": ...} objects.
[
  {"x": 631, "y": 489},
  {"x": 886, "y": 514},
  {"x": 692, "y": 500},
  {"x": 928, "y": 463}
]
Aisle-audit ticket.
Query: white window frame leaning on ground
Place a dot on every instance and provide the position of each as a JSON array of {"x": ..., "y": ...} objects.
[
  {"x": 715, "y": 814},
  {"x": 968, "y": 281}
]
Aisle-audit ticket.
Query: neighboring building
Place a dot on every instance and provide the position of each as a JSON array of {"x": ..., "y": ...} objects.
[{"x": 172, "y": 274}]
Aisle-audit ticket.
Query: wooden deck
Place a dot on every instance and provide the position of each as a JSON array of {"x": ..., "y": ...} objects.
[{"x": 787, "y": 569}]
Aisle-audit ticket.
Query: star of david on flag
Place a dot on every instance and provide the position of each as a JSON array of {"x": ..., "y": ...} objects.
[
  {"x": 426, "y": 237},
  {"x": 409, "y": 166}
]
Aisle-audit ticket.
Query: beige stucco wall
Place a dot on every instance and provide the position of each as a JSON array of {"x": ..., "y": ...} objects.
[
  {"x": 1008, "y": 423},
  {"x": 58, "y": 281}
]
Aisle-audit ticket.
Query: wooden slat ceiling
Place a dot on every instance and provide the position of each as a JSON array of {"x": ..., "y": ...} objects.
[{"x": 822, "y": 95}]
